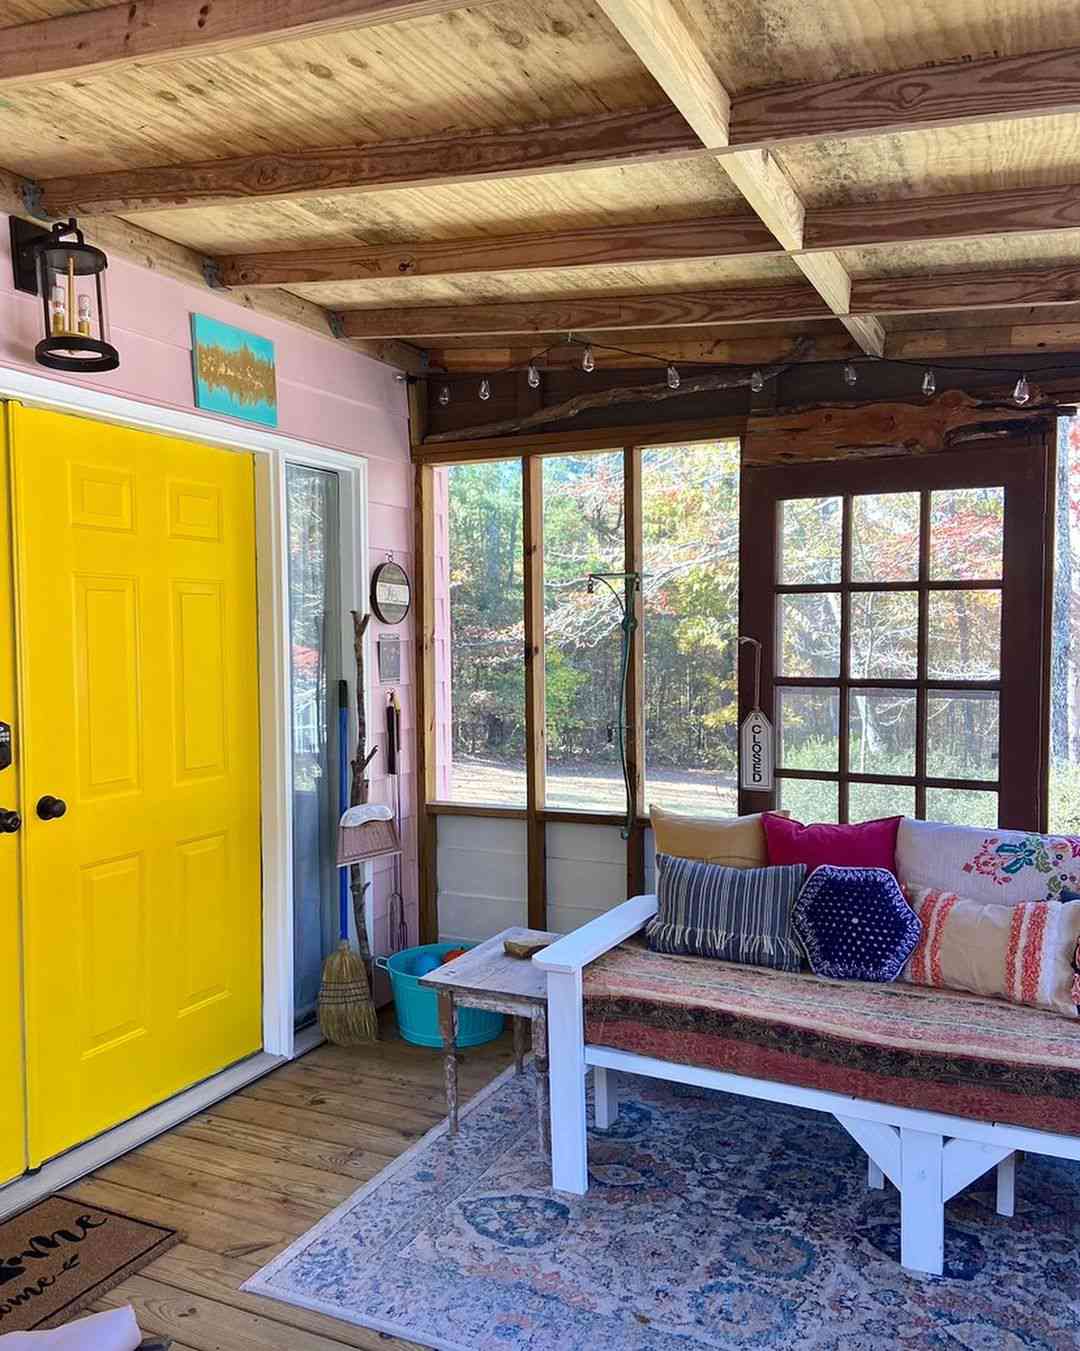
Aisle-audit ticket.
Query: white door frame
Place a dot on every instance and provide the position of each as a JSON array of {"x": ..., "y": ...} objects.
[{"x": 272, "y": 451}]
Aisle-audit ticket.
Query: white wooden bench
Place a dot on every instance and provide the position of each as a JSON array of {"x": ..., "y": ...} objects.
[{"x": 928, "y": 1156}]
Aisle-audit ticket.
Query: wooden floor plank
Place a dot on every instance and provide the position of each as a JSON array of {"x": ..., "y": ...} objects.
[{"x": 244, "y": 1179}]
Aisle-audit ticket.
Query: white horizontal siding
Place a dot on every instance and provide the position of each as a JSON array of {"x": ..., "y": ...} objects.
[{"x": 482, "y": 877}]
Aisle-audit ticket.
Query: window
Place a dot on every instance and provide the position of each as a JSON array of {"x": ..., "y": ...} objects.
[
  {"x": 883, "y": 616},
  {"x": 479, "y": 598},
  {"x": 690, "y": 556},
  {"x": 1065, "y": 658}
]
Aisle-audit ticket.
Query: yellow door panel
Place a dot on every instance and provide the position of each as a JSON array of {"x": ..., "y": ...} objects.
[
  {"x": 12, "y": 1102},
  {"x": 138, "y": 630}
]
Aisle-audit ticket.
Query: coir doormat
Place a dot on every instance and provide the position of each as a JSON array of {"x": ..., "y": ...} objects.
[{"x": 60, "y": 1255}]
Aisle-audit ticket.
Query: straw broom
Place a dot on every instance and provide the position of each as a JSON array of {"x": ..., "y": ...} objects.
[{"x": 347, "y": 1014}]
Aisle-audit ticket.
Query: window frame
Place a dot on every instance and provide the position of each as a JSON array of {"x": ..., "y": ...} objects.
[{"x": 1022, "y": 465}]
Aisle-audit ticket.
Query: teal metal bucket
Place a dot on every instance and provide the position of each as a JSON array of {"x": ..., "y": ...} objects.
[{"x": 417, "y": 1008}]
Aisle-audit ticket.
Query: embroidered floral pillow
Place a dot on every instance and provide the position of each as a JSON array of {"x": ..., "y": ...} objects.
[
  {"x": 1025, "y": 953},
  {"x": 1002, "y": 866}
]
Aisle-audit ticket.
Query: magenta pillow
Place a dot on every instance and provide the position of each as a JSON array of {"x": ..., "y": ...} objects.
[{"x": 870, "y": 844}]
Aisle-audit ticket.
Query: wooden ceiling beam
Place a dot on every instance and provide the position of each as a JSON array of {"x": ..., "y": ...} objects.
[
  {"x": 988, "y": 90},
  {"x": 664, "y": 41},
  {"x": 932, "y": 293},
  {"x": 146, "y": 32},
  {"x": 511, "y": 152}
]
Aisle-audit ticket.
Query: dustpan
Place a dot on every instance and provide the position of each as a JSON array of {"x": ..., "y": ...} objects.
[{"x": 367, "y": 832}]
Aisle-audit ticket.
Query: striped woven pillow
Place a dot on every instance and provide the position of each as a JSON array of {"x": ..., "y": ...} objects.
[
  {"x": 736, "y": 914},
  {"x": 1025, "y": 953}
]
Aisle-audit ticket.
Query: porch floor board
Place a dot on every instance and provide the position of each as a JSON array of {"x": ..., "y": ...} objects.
[{"x": 247, "y": 1177}]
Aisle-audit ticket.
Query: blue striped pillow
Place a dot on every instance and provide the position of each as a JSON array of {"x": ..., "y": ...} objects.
[{"x": 736, "y": 914}]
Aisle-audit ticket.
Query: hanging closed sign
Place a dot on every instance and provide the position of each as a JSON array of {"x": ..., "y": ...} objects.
[{"x": 756, "y": 753}]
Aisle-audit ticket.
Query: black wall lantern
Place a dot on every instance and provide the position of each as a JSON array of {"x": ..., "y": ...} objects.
[{"x": 68, "y": 274}]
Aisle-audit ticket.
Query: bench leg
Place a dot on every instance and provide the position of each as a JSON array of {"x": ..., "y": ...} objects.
[
  {"x": 1006, "y": 1186},
  {"x": 566, "y": 1056},
  {"x": 922, "y": 1210},
  {"x": 605, "y": 1100},
  {"x": 875, "y": 1178}
]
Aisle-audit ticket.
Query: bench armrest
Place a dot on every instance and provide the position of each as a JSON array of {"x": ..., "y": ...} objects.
[{"x": 576, "y": 950}]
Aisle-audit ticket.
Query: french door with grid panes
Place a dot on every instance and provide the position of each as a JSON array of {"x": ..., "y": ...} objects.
[{"x": 900, "y": 603}]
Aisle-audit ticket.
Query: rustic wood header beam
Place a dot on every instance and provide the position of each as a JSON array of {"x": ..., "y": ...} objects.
[
  {"x": 672, "y": 53},
  {"x": 904, "y": 221},
  {"x": 929, "y": 294},
  {"x": 513, "y": 152},
  {"x": 146, "y": 32}
]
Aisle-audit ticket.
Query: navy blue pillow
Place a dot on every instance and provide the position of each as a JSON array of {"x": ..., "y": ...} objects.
[{"x": 855, "y": 923}]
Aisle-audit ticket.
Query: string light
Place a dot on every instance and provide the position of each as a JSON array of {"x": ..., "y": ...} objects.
[
  {"x": 673, "y": 381},
  {"x": 444, "y": 395},
  {"x": 1022, "y": 392},
  {"x": 757, "y": 381},
  {"x": 588, "y": 361},
  {"x": 850, "y": 373},
  {"x": 533, "y": 376},
  {"x": 929, "y": 384},
  {"x": 485, "y": 389}
]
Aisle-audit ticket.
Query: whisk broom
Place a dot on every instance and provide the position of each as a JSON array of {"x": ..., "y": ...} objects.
[{"x": 346, "y": 1010}]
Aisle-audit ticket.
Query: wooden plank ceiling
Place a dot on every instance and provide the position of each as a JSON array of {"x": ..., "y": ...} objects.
[{"x": 696, "y": 178}]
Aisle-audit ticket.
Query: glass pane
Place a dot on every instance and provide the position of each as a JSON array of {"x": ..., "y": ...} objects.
[
  {"x": 810, "y": 531},
  {"x": 965, "y": 635},
  {"x": 962, "y": 807},
  {"x": 885, "y": 537},
  {"x": 690, "y": 523},
  {"x": 809, "y": 800},
  {"x": 311, "y": 504},
  {"x": 1065, "y": 647},
  {"x": 967, "y": 526},
  {"x": 882, "y": 735},
  {"x": 809, "y": 643},
  {"x": 478, "y": 583},
  {"x": 809, "y": 732},
  {"x": 583, "y": 534},
  {"x": 871, "y": 801},
  {"x": 884, "y": 635},
  {"x": 962, "y": 735}
]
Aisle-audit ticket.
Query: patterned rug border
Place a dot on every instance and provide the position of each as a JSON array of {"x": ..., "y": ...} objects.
[{"x": 259, "y": 1283}]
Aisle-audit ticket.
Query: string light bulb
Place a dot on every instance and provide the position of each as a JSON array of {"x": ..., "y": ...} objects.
[
  {"x": 444, "y": 395},
  {"x": 533, "y": 376},
  {"x": 851, "y": 375},
  {"x": 673, "y": 381},
  {"x": 1022, "y": 392},
  {"x": 929, "y": 384},
  {"x": 757, "y": 381},
  {"x": 485, "y": 389},
  {"x": 588, "y": 361}
]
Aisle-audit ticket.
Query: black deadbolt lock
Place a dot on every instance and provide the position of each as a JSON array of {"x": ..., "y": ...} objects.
[
  {"x": 9, "y": 821},
  {"x": 49, "y": 808}
]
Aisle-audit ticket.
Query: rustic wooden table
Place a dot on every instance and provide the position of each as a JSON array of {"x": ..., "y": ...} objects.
[{"x": 486, "y": 978}]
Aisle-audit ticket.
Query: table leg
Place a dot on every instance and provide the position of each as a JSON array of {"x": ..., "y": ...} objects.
[
  {"x": 543, "y": 1091},
  {"x": 448, "y": 1028},
  {"x": 521, "y": 1032}
]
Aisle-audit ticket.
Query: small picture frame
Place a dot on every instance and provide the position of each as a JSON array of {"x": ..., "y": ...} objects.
[{"x": 389, "y": 656}]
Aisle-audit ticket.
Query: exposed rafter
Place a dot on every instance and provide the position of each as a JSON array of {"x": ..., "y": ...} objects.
[
  {"x": 663, "y": 40},
  {"x": 149, "y": 31},
  {"x": 931, "y": 293},
  {"x": 512, "y": 152}
]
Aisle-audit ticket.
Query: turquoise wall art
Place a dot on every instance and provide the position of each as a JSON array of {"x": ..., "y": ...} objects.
[{"x": 234, "y": 371}]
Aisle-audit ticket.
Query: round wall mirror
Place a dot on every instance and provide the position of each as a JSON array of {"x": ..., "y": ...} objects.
[{"x": 391, "y": 594}]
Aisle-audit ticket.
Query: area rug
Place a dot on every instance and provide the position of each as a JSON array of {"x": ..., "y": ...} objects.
[
  {"x": 710, "y": 1222},
  {"x": 60, "y": 1255}
]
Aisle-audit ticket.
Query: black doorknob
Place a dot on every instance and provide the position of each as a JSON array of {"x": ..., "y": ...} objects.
[
  {"x": 9, "y": 821},
  {"x": 49, "y": 808}
]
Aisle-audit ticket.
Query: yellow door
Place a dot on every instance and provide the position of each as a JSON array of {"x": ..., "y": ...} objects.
[
  {"x": 135, "y": 569},
  {"x": 12, "y": 1103}
]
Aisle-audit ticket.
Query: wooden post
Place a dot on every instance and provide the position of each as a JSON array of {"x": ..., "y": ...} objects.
[
  {"x": 424, "y": 639},
  {"x": 634, "y": 550},
  {"x": 532, "y": 499},
  {"x": 566, "y": 1049}
]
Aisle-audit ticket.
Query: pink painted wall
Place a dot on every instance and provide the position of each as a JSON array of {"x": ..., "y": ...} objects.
[{"x": 328, "y": 395}]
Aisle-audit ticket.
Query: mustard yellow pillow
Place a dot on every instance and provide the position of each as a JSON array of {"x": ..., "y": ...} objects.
[{"x": 733, "y": 841}]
